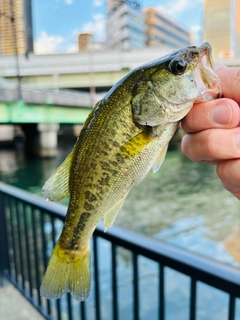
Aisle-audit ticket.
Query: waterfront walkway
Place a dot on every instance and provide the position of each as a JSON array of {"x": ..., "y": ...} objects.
[{"x": 13, "y": 306}]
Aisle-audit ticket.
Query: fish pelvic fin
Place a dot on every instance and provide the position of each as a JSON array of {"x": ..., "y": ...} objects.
[
  {"x": 57, "y": 186},
  {"x": 111, "y": 215},
  {"x": 67, "y": 271},
  {"x": 160, "y": 159}
]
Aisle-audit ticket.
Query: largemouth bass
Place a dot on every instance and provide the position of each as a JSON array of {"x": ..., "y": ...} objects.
[{"x": 126, "y": 135}]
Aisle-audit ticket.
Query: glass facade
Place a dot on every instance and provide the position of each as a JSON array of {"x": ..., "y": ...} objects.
[
  {"x": 161, "y": 30},
  {"x": 171, "y": 35},
  {"x": 126, "y": 28},
  {"x": 130, "y": 28}
]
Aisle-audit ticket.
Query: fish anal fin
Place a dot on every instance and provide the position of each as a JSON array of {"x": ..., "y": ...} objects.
[
  {"x": 111, "y": 215},
  {"x": 67, "y": 271},
  {"x": 160, "y": 159},
  {"x": 57, "y": 186}
]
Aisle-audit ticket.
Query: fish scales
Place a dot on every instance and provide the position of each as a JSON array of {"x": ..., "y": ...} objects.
[
  {"x": 125, "y": 136},
  {"x": 95, "y": 174}
]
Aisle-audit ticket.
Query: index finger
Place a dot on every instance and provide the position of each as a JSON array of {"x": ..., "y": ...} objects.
[{"x": 230, "y": 81}]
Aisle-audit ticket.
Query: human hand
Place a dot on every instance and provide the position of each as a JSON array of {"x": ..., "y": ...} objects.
[{"x": 213, "y": 131}]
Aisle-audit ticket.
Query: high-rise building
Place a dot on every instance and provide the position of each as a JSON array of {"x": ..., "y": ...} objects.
[
  {"x": 161, "y": 30},
  {"x": 221, "y": 27},
  {"x": 125, "y": 25},
  {"x": 129, "y": 27},
  {"x": 16, "y": 31},
  {"x": 28, "y": 25}
]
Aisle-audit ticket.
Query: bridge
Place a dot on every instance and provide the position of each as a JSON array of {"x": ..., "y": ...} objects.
[
  {"x": 28, "y": 104},
  {"x": 32, "y": 103},
  {"x": 39, "y": 112},
  {"x": 98, "y": 69}
]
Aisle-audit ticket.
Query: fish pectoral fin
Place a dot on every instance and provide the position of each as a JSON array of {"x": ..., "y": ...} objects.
[
  {"x": 111, "y": 215},
  {"x": 160, "y": 159},
  {"x": 67, "y": 271},
  {"x": 136, "y": 145},
  {"x": 57, "y": 186}
]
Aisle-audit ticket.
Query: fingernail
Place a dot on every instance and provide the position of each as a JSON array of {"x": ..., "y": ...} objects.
[{"x": 221, "y": 114}]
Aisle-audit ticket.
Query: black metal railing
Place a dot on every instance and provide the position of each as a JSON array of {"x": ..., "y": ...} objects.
[{"x": 131, "y": 272}]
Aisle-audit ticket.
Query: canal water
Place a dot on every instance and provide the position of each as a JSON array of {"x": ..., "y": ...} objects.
[{"x": 183, "y": 204}]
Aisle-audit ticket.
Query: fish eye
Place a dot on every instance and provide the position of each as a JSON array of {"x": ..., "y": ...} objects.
[{"x": 178, "y": 66}]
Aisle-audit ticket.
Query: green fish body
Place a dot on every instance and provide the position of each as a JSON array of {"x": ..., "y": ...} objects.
[{"x": 125, "y": 136}]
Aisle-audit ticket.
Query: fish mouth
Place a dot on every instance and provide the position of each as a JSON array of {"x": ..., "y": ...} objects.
[{"x": 205, "y": 76}]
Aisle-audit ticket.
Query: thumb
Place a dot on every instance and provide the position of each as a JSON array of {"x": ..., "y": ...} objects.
[{"x": 230, "y": 81}]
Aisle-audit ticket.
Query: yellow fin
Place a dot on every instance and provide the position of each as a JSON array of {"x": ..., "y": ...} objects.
[
  {"x": 57, "y": 186},
  {"x": 160, "y": 159},
  {"x": 136, "y": 145},
  {"x": 67, "y": 271},
  {"x": 111, "y": 215}
]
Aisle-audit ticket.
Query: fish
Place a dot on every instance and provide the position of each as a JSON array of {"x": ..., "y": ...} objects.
[{"x": 124, "y": 137}]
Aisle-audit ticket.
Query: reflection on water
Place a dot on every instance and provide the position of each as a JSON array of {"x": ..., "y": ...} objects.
[{"x": 184, "y": 203}]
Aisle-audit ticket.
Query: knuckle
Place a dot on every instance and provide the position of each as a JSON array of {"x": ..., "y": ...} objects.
[
  {"x": 234, "y": 76},
  {"x": 237, "y": 75},
  {"x": 210, "y": 145}
]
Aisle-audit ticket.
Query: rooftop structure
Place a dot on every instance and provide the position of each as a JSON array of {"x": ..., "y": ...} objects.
[
  {"x": 112, "y": 5},
  {"x": 84, "y": 41}
]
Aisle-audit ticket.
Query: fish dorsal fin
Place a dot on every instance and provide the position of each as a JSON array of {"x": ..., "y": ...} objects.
[
  {"x": 111, "y": 215},
  {"x": 57, "y": 186},
  {"x": 160, "y": 159}
]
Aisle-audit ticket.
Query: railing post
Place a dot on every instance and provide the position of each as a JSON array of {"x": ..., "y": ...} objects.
[
  {"x": 4, "y": 259},
  {"x": 193, "y": 298},
  {"x": 135, "y": 287},
  {"x": 161, "y": 278},
  {"x": 231, "y": 308}
]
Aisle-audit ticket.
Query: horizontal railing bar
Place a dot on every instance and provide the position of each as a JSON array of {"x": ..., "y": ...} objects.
[
  {"x": 55, "y": 209},
  {"x": 211, "y": 272}
]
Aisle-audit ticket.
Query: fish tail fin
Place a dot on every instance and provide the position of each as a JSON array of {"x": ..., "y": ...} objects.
[{"x": 67, "y": 271}]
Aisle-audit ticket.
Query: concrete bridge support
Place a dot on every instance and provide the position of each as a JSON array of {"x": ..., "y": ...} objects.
[
  {"x": 48, "y": 139},
  {"x": 6, "y": 133},
  {"x": 41, "y": 139}
]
